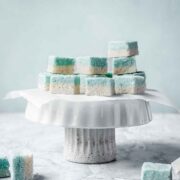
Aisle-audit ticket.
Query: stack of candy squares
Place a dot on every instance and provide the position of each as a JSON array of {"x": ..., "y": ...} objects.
[{"x": 89, "y": 75}]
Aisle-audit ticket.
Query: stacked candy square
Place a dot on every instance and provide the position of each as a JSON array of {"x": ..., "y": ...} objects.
[
  {"x": 121, "y": 56},
  {"x": 93, "y": 76},
  {"x": 89, "y": 75},
  {"x": 59, "y": 77}
]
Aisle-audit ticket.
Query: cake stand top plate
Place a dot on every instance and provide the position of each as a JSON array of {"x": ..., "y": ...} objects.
[{"x": 81, "y": 111}]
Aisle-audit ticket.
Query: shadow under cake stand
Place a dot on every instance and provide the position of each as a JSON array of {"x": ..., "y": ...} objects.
[{"x": 89, "y": 121}]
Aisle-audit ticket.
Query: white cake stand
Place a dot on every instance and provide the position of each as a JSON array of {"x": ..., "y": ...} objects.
[{"x": 89, "y": 121}]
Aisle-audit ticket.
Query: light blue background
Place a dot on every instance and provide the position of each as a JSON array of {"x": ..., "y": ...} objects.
[{"x": 30, "y": 30}]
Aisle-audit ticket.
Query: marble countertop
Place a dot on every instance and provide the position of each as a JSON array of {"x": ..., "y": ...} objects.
[{"x": 158, "y": 141}]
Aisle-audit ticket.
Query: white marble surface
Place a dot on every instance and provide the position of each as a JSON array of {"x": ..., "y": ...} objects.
[{"x": 158, "y": 141}]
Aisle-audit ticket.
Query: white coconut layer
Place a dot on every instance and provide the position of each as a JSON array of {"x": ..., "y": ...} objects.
[
  {"x": 99, "y": 90},
  {"x": 122, "y": 53},
  {"x": 28, "y": 171},
  {"x": 44, "y": 87},
  {"x": 129, "y": 90},
  {"x": 124, "y": 70},
  {"x": 61, "y": 69},
  {"x": 64, "y": 88},
  {"x": 82, "y": 69}
]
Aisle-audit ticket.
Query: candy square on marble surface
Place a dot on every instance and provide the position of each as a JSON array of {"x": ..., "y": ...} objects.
[
  {"x": 156, "y": 171},
  {"x": 23, "y": 167},
  {"x": 60, "y": 65},
  {"x": 176, "y": 168},
  {"x": 44, "y": 81},
  {"x": 91, "y": 65},
  {"x": 65, "y": 84},
  {"x": 4, "y": 167},
  {"x": 122, "y": 49},
  {"x": 124, "y": 65},
  {"x": 129, "y": 84},
  {"x": 99, "y": 86}
]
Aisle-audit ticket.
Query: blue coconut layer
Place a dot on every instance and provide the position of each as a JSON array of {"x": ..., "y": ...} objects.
[
  {"x": 44, "y": 78},
  {"x": 18, "y": 168},
  {"x": 156, "y": 171},
  {"x": 124, "y": 62},
  {"x": 92, "y": 61},
  {"x": 4, "y": 167},
  {"x": 100, "y": 81},
  {"x": 83, "y": 77},
  {"x": 122, "y": 45},
  {"x": 65, "y": 79},
  {"x": 4, "y": 163},
  {"x": 129, "y": 80},
  {"x": 60, "y": 61}
]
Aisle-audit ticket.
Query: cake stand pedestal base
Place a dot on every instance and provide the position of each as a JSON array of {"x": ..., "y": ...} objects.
[{"x": 90, "y": 146}]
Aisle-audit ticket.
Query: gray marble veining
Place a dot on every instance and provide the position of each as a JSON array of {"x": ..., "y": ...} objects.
[{"x": 158, "y": 141}]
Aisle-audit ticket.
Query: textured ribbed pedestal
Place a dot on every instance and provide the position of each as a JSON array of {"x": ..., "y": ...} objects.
[{"x": 90, "y": 145}]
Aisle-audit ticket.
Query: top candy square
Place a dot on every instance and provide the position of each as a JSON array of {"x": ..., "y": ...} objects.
[{"x": 122, "y": 49}]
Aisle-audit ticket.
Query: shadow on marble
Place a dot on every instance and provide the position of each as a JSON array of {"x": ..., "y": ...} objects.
[
  {"x": 144, "y": 152},
  {"x": 38, "y": 177}
]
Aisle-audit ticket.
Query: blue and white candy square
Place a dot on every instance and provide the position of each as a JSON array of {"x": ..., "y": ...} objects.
[
  {"x": 156, "y": 171},
  {"x": 65, "y": 84},
  {"x": 22, "y": 167},
  {"x": 91, "y": 65},
  {"x": 176, "y": 168},
  {"x": 60, "y": 65},
  {"x": 129, "y": 84},
  {"x": 99, "y": 86},
  {"x": 124, "y": 65},
  {"x": 122, "y": 49}
]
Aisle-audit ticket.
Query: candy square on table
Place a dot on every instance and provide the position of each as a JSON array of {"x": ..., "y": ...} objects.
[
  {"x": 156, "y": 171},
  {"x": 99, "y": 86},
  {"x": 122, "y": 49},
  {"x": 60, "y": 65},
  {"x": 129, "y": 84},
  {"x": 44, "y": 81},
  {"x": 4, "y": 167},
  {"x": 124, "y": 65},
  {"x": 65, "y": 84},
  {"x": 91, "y": 65},
  {"x": 23, "y": 167}
]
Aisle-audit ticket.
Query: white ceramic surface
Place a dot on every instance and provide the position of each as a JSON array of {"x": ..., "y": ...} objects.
[
  {"x": 124, "y": 113},
  {"x": 91, "y": 112}
]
